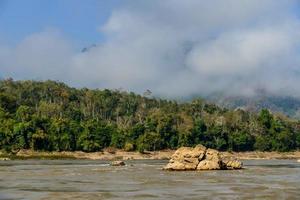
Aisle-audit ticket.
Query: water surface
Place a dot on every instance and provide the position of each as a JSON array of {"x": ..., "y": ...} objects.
[{"x": 83, "y": 179}]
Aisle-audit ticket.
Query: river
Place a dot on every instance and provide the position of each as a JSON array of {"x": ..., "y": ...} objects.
[{"x": 144, "y": 179}]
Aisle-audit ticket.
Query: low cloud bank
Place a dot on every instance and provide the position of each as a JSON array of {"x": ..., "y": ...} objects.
[{"x": 174, "y": 48}]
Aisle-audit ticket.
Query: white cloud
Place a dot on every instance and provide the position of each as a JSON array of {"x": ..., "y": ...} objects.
[
  {"x": 174, "y": 48},
  {"x": 243, "y": 52},
  {"x": 44, "y": 55}
]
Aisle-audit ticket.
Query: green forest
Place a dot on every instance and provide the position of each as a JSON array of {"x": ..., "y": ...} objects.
[{"x": 51, "y": 116}]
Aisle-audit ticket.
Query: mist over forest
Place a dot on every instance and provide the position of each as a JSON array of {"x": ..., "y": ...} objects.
[{"x": 174, "y": 48}]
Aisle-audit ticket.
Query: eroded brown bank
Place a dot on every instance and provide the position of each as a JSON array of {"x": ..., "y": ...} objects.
[{"x": 159, "y": 155}]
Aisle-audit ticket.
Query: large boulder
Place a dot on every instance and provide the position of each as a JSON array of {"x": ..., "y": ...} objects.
[
  {"x": 200, "y": 158},
  {"x": 186, "y": 158}
]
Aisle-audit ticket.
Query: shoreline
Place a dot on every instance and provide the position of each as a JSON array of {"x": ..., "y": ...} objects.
[{"x": 151, "y": 155}]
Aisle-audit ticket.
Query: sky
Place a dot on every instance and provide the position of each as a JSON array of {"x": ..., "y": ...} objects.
[
  {"x": 78, "y": 19},
  {"x": 174, "y": 48}
]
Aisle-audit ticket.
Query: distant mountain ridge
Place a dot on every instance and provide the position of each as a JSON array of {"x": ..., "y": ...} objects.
[{"x": 287, "y": 105}]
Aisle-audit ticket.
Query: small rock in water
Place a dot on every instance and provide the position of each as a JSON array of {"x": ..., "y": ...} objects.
[
  {"x": 4, "y": 159},
  {"x": 117, "y": 163},
  {"x": 200, "y": 158},
  {"x": 233, "y": 164}
]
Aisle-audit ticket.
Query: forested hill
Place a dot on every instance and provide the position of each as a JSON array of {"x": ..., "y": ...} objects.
[
  {"x": 288, "y": 105},
  {"x": 51, "y": 116}
]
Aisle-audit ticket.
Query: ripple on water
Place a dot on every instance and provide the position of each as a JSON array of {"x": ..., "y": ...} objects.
[{"x": 145, "y": 180}]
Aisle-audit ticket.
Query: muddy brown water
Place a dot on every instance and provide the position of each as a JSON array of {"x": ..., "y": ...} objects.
[{"x": 144, "y": 179}]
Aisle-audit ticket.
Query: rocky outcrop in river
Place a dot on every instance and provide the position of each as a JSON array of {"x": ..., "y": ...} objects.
[{"x": 200, "y": 158}]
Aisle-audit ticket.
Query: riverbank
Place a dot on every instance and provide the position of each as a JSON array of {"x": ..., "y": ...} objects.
[
  {"x": 108, "y": 154},
  {"x": 117, "y": 154}
]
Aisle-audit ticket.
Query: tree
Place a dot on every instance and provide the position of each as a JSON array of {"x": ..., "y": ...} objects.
[
  {"x": 150, "y": 141},
  {"x": 8, "y": 102},
  {"x": 24, "y": 113},
  {"x": 265, "y": 118},
  {"x": 241, "y": 141},
  {"x": 60, "y": 135},
  {"x": 118, "y": 139},
  {"x": 95, "y": 136},
  {"x": 198, "y": 132},
  {"x": 39, "y": 140},
  {"x": 49, "y": 115},
  {"x": 284, "y": 141},
  {"x": 263, "y": 143}
]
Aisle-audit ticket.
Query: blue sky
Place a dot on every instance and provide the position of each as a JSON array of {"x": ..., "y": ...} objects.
[
  {"x": 78, "y": 19},
  {"x": 175, "y": 48}
]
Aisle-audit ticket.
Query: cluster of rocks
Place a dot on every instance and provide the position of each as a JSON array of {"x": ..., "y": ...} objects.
[{"x": 200, "y": 158}]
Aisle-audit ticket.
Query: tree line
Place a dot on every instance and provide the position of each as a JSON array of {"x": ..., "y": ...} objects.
[{"x": 51, "y": 116}]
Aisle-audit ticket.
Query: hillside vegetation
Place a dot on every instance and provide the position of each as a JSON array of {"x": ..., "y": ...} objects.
[
  {"x": 50, "y": 116},
  {"x": 287, "y": 105}
]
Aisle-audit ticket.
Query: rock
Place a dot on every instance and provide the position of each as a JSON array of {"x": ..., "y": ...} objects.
[
  {"x": 175, "y": 165},
  {"x": 209, "y": 165},
  {"x": 213, "y": 155},
  {"x": 233, "y": 164},
  {"x": 186, "y": 158},
  {"x": 200, "y": 158},
  {"x": 117, "y": 163},
  {"x": 4, "y": 159},
  {"x": 212, "y": 161}
]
